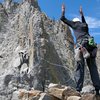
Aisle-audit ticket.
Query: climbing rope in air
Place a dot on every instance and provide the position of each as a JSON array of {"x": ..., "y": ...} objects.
[
  {"x": 59, "y": 66},
  {"x": 40, "y": 59}
]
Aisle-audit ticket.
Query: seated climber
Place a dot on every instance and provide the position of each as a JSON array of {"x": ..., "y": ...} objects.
[{"x": 87, "y": 49}]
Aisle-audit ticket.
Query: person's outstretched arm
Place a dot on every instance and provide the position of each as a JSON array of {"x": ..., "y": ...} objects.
[
  {"x": 82, "y": 15},
  {"x": 65, "y": 20}
]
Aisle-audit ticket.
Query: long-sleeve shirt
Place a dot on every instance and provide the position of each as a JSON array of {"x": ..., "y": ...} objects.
[{"x": 80, "y": 28}]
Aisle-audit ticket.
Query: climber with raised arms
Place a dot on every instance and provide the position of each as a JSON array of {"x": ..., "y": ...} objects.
[{"x": 85, "y": 50}]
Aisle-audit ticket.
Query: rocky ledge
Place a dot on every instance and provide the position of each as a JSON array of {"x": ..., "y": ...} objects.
[{"x": 55, "y": 92}]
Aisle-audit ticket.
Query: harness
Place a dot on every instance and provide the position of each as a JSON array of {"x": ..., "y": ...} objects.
[
  {"x": 86, "y": 41},
  {"x": 82, "y": 41},
  {"x": 88, "y": 45}
]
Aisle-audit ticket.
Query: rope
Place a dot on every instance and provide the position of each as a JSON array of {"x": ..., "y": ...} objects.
[
  {"x": 59, "y": 66},
  {"x": 40, "y": 58},
  {"x": 54, "y": 64}
]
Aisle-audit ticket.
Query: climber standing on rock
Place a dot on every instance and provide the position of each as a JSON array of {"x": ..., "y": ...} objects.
[{"x": 85, "y": 48}]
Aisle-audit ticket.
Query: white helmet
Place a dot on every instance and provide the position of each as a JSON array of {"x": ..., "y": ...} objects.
[{"x": 76, "y": 19}]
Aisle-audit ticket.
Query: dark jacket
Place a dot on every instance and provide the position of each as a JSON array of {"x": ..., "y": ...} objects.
[{"x": 80, "y": 28}]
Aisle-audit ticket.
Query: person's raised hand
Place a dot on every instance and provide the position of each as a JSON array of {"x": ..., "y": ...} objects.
[
  {"x": 63, "y": 9},
  {"x": 81, "y": 12}
]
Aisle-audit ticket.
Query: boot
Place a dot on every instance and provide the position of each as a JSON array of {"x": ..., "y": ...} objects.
[{"x": 97, "y": 92}]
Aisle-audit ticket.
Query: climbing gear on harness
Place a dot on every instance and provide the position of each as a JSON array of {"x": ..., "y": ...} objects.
[
  {"x": 91, "y": 42},
  {"x": 92, "y": 47},
  {"x": 83, "y": 50},
  {"x": 86, "y": 54},
  {"x": 78, "y": 54}
]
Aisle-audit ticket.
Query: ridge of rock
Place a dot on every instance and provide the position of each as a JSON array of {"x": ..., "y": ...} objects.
[{"x": 34, "y": 50}]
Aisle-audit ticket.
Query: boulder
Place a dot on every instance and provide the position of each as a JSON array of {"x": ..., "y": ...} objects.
[
  {"x": 63, "y": 92},
  {"x": 57, "y": 92},
  {"x": 70, "y": 92},
  {"x": 97, "y": 97},
  {"x": 88, "y": 89},
  {"x": 26, "y": 95},
  {"x": 32, "y": 95},
  {"x": 45, "y": 96},
  {"x": 52, "y": 85},
  {"x": 89, "y": 96},
  {"x": 73, "y": 98}
]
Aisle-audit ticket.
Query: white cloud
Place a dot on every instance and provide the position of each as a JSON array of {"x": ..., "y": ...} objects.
[
  {"x": 92, "y": 22},
  {"x": 95, "y": 33},
  {"x": 97, "y": 0}
]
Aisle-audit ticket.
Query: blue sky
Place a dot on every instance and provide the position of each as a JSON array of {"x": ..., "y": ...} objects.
[{"x": 91, "y": 9}]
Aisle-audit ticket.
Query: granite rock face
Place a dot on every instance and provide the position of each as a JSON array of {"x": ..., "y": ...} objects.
[
  {"x": 34, "y": 50},
  {"x": 98, "y": 58}
]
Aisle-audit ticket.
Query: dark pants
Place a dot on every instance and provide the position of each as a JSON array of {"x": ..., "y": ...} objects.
[{"x": 79, "y": 74}]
